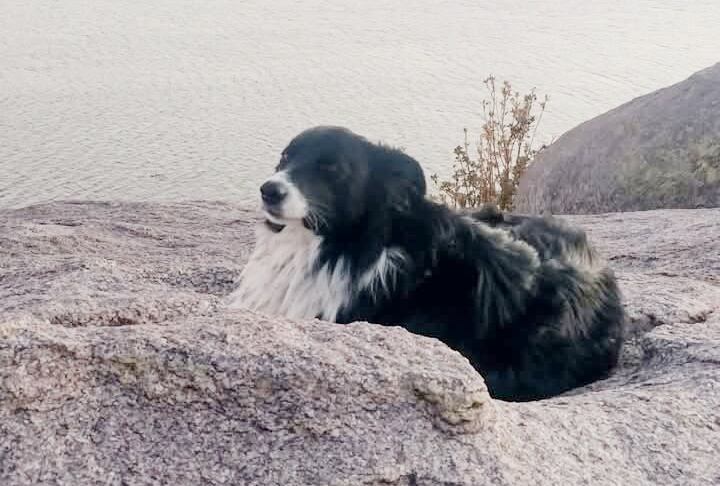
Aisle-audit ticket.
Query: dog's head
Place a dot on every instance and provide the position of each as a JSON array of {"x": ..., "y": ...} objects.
[{"x": 330, "y": 179}]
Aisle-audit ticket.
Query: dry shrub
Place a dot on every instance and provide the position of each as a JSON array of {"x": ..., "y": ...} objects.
[{"x": 503, "y": 152}]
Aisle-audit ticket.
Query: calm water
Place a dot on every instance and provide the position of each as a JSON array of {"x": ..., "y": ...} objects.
[{"x": 177, "y": 99}]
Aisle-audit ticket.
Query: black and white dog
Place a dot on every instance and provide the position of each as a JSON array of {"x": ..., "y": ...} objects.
[{"x": 350, "y": 236}]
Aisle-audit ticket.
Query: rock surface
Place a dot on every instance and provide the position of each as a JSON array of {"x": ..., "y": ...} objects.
[
  {"x": 661, "y": 150},
  {"x": 120, "y": 365}
]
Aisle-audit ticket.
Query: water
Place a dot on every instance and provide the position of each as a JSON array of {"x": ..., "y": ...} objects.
[{"x": 179, "y": 99}]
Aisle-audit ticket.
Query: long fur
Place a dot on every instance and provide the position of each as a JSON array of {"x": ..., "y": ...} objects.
[{"x": 525, "y": 299}]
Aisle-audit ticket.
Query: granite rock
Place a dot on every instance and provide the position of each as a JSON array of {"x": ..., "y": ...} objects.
[
  {"x": 661, "y": 150},
  {"x": 119, "y": 364}
]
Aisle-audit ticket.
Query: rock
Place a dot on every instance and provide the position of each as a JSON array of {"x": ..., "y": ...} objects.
[
  {"x": 661, "y": 150},
  {"x": 119, "y": 364}
]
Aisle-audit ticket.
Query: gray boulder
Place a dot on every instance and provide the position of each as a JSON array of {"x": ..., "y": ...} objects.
[
  {"x": 661, "y": 150},
  {"x": 119, "y": 364}
]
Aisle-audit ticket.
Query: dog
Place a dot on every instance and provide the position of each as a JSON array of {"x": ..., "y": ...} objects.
[{"x": 349, "y": 235}]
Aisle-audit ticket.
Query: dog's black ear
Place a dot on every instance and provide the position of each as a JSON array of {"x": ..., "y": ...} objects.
[{"x": 396, "y": 177}]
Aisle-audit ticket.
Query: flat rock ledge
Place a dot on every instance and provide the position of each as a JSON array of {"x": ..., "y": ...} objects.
[{"x": 119, "y": 364}]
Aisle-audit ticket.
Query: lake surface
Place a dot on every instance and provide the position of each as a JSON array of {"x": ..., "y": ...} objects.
[{"x": 179, "y": 99}]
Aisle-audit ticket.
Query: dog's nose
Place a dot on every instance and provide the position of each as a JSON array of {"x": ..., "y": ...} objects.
[{"x": 273, "y": 192}]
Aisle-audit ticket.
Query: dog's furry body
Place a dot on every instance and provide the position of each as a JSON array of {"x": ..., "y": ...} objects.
[{"x": 350, "y": 236}]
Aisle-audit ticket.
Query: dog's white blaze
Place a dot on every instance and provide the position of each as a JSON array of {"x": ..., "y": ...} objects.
[
  {"x": 280, "y": 277},
  {"x": 295, "y": 206}
]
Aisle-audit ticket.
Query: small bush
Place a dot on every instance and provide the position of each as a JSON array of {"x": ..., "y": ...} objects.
[{"x": 503, "y": 152}]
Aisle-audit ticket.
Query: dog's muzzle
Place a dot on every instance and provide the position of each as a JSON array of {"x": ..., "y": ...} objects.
[
  {"x": 282, "y": 200},
  {"x": 273, "y": 194}
]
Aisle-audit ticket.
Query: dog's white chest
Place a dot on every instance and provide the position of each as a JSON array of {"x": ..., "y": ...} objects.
[{"x": 281, "y": 279}]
